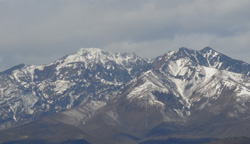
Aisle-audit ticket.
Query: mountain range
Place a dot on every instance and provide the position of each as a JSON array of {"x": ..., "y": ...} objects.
[{"x": 98, "y": 97}]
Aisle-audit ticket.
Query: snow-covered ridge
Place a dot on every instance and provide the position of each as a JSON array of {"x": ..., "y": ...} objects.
[
  {"x": 90, "y": 73},
  {"x": 204, "y": 57},
  {"x": 91, "y": 56},
  {"x": 173, "y": 82},
  {"x": 195, "y": 78},
  {"x": 144, "y": 92},
  {"x": 197, "y": 68},
  {"x": 202, "y": 87}
]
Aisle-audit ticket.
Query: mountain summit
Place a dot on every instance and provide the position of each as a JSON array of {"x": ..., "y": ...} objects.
[{"x": 109, "y": 97}]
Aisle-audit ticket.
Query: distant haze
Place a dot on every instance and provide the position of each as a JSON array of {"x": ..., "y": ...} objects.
[{"x": 40, "y": 31}]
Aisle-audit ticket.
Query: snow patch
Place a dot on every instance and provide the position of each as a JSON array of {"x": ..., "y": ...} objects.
[
  {"x": 243, "y": 92},
  {"x": 62, "y": 85}
]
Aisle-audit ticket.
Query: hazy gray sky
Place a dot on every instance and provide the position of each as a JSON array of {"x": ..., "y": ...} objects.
[{"x": 40, "y": 31}]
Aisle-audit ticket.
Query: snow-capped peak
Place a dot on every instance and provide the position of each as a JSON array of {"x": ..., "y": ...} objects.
[
  {"x": 208, "y": 52},
  {"x": 88, "y": 54},
  {"x": 207, "y": 49},
  {"x": 92, "y": 56},
  {"x": 90, "y": 51},
  {"x": 185, "y": 50},
  {"x": 205, "y": 57}
]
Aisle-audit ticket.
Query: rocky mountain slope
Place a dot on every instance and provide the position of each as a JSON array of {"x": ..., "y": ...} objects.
[
  {"x": 27, "y": 91},
  {"x": 110, "y": 98}
]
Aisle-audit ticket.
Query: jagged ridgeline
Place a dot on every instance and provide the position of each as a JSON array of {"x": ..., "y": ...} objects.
[{"x": 104, "y": 97}]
